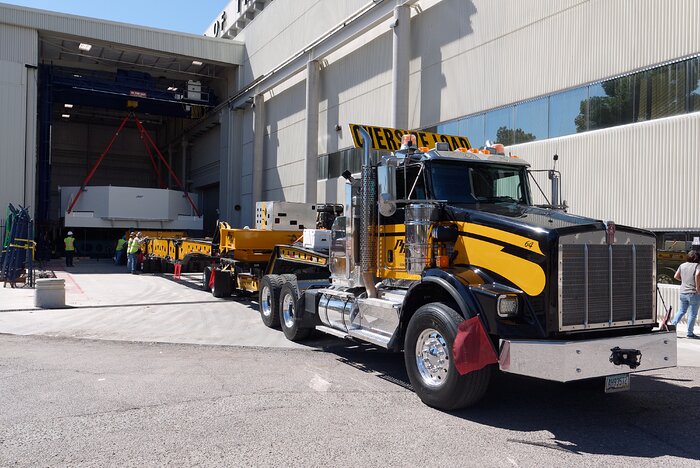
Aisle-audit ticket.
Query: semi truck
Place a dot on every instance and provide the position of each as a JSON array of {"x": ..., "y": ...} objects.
[{"x": 441, "y": 253}]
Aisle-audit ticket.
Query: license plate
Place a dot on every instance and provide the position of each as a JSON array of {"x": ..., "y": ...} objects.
[{"x": 617, "y": 383}]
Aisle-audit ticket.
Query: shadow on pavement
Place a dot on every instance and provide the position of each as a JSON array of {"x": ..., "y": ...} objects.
[{"x": 657, "y": 417}]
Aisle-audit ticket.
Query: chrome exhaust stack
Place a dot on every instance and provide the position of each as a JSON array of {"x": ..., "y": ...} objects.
[{"x": 368, "y": 217}]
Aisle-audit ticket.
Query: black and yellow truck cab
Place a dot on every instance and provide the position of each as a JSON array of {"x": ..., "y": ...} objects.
[{"x": 442, "y": 254}]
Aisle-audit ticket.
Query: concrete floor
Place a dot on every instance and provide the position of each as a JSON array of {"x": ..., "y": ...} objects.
[{"x": 104, "y": 302}]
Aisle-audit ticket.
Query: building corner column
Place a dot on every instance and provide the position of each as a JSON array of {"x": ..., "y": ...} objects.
[
  {"x": 258, "y": 148},
  {"x": 311, "y": 160},
  {"x": 401, "y": 56}
]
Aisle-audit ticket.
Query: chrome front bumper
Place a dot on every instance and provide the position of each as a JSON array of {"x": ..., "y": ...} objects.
[{"x": 564, "y": 361}]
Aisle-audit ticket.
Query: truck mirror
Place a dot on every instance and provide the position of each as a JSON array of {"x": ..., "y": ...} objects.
[
  {"x": 387, "y": 205},
  {"x": 386, "y": 178}
]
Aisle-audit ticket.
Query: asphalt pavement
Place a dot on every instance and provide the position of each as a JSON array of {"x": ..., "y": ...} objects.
[
  {"x": 104, "y": 301},
  {"x": 147, "y": 370}
]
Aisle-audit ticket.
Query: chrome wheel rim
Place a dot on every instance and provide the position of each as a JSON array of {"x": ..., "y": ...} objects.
[
  {"x": 265, "y": 302},
  {"x": 432, "y": 358},
  {"x": 288, "y": 310}
]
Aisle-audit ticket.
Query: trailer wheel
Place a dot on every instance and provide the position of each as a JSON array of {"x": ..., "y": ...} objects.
[
  {"x": 429, "y": 363},
  {"x": 222, "y": 284},
  {"x": 268, "y": 300},
  {"x": 206, "y": 275},
  {"x": 289, "y": 313}
]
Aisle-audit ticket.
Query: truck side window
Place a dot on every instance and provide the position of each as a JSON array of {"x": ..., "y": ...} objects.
[{"x": 403, "y": 187}]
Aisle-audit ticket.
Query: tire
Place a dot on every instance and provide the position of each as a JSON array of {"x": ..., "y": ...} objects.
[
  {"x": 442, "y": 387},
  {"x": 289, "y": 314},
  {"x": 147, "y": 265},
  {"x": 222, "y": 284},
  {"x": 268, "y": 300},
  {"x": 664, "y": 278},
  {"x": 289, "y": 278},
  {"x": 206, "y": 275}
]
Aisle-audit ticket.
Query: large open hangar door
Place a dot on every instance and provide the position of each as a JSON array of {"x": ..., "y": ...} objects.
[{"x": 86, "y": 90}]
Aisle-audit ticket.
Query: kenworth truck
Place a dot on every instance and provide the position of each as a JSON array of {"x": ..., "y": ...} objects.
[{"x": 441, "y": 253}]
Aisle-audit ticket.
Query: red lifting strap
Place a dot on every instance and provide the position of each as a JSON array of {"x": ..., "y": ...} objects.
[{"x": 148, "y": 143}]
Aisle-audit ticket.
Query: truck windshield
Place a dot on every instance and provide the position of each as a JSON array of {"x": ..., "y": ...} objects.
[{"x": 458, "y": 182}]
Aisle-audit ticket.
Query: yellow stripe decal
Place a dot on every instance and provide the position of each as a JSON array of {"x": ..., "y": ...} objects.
[{"x": 503, "y": 236}]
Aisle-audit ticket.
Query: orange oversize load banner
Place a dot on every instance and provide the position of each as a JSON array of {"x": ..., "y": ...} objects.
[{"x": 389, "y": 139}]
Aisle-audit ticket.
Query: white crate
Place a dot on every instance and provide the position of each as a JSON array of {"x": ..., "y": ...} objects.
[
  {"x": 284, "y": 216},
  {"x": 317, "y": 239}
]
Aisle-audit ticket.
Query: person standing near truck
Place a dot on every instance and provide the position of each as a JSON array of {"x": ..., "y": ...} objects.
[
  {"x": 119, "y": 250},
  {"x": 132, "y": 251},
  {"x": 69, "y": 243},
  {"x": 689, "y": 276}
]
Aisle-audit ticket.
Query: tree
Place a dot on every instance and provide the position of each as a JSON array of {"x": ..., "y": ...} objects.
[
  {"x": 509, "y": 136},
  {"x": 615, "y": 108}
]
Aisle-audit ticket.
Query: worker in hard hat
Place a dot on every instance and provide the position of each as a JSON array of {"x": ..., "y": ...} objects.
[
  {"x": 132, "y": 251},
  {"x": 69, "y": 243},
  {"x": 119, "y": 250}
]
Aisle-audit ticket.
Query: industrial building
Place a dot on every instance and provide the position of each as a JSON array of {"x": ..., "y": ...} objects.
[{"x": 258, "y": 108}]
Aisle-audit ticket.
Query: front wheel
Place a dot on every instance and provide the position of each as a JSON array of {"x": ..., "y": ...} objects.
[{"x": 430, "y": 363}]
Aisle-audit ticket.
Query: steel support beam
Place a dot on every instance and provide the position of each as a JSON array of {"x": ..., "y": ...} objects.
[
  {"x": 184, "y": 163},
  {"x": 312, "y": 102},
  {"x": 258, "y": 147},
  {"x": 400, "y": 61}
]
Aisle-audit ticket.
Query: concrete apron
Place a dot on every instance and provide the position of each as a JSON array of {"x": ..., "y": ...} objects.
[{"x": 103, "y": 301}]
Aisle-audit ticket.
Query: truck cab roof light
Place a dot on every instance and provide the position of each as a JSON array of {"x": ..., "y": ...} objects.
[
  {"x": 408, "y": 141},
  {"x": 462, "y": 150},
  {"x": 423, "y": 149}
]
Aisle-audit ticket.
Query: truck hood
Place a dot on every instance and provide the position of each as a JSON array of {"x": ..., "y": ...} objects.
[{"x": 540, "y": 221}]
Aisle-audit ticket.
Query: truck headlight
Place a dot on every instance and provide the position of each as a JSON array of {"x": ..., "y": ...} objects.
[{"x": 507, "y": 306}]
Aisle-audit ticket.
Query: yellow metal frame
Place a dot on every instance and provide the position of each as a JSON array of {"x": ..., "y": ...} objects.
[{"x": 253, "y": 245}]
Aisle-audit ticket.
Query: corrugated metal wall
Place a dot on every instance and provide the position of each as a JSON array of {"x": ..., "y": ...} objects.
[
  {"x": 642, "y": 174},
  {"x": 468, "y": 56},
  {"x": 475, "y": 55},
  {"x": 285, "y": 27},
  {"x": 218, "y": 50},
  {"x": 18, "y": 94}
]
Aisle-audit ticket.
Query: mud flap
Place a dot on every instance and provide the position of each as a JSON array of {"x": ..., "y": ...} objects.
[{"x": 472, "y": 349}]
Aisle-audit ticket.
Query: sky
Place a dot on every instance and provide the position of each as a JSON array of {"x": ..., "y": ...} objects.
[{"x": 177, "y": 15}]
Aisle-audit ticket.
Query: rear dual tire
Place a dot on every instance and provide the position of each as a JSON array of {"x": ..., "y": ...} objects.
[
  {"x": 268, "y": 300},
  {"x": 289, "y": 313}
]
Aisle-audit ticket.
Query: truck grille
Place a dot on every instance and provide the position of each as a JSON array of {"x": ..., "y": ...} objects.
[{"x": 604, "y": 285}]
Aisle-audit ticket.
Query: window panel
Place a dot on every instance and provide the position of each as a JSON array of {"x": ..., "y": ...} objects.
[
  {"x": 662, "y": 92},
  {"x": 499, "y": 126},
  {"x": 473, "y": 129},
  {"x": 694, "y": 84},
  {"x": 323, "y": 167},
  {"x": 610, "y": 103},
  {"x": 568, "y": 112},
  {"x": 531, "y": 121},
  {"x": 335, "y": 164}
]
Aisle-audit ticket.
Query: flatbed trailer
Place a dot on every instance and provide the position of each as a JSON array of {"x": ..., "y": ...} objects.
[{"x": 236, "y": 259}]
